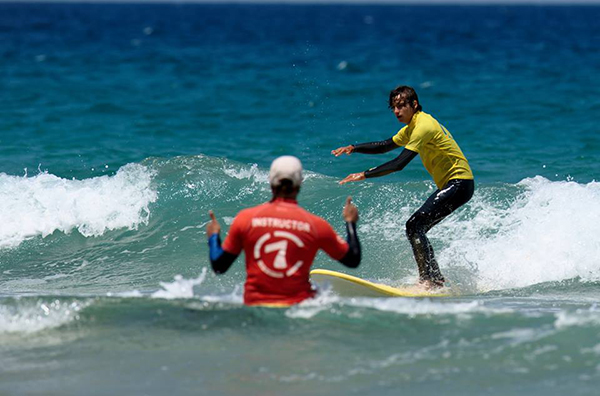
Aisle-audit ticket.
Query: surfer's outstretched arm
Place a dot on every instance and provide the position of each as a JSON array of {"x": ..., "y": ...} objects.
[
  {"x": 220, "y": 260},
  {"x": 379, "y": 147},
  {"x": 352, "y": 257},
  {"x": 394, "y": 165}
]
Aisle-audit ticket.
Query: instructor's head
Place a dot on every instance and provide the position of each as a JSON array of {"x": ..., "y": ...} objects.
[
  {"x": 285, "y": 176},
  {"x": 404, "y": 102}
]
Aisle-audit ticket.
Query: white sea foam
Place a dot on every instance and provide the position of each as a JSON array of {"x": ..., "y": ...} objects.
[
  {"x": 38, "y": 316},
  {"x": 343, "y": 65},
  {"x": 548, "y": 233},
  {"x": 180, "y": 288},
  {"x": 578, "y": 318},
  {"x": 420, "y": 307},
  {"x": 253, "y": 173},
  {"x": 45, "y": 203},
  {"x": 234, "y": 298},
  {"x": 404, "y": 306},
  {"x": 313, "y": 306},
  {"x": 126, "y": 294},
  {"x": 256, "y": 174}
]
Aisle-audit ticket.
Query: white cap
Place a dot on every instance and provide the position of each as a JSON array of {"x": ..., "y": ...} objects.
[{"x": 286, "y": 167}]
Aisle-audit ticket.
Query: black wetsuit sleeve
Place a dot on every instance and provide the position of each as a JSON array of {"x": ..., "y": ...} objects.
[
  {"x": 220, "y": 260},
  {"x": 222, "y": 264},
  {"x": 352, "y": 257},
  {"x": 394, "y": 165},
  {"x": 375, "y": 147}
]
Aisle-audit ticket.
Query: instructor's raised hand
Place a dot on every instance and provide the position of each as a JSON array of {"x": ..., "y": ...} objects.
[
  {"x": 213, "y": 227},
  {"x": 353, "y": 177},
  {"x": 350, "y": 212},
  {"x": 343, "y": 150}
]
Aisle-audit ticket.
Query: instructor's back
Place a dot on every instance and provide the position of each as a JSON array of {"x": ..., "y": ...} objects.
[{"x": 280, "y": 241}]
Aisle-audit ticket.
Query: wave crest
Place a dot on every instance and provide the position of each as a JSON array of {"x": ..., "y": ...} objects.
[{"x": 45, "y": 203}]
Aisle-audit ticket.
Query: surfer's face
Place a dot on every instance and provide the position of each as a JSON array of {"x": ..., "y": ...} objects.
[{"x": 403, "y": 111}]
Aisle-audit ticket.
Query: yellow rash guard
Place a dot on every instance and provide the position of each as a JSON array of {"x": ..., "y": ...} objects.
[{"x": 438, "y": 150}]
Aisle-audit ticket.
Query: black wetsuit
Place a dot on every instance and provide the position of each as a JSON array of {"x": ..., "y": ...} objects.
[{"x": 440, "y": 204}]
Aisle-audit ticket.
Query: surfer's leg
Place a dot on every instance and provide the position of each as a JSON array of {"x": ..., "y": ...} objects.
[
  {"x": 416, "y": 227},
  {"x": 439, "y": 205}
]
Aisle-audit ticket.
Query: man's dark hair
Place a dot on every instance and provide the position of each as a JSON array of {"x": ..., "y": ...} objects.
[
  {"x": 404, "y": 93},
  {"x": 285, "y": 187}
]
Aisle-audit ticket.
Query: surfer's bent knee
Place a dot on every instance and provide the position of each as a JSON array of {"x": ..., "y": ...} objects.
[{"x": 414, "y": 226}]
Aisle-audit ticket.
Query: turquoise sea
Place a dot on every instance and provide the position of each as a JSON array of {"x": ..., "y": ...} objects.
[{"x": 121, "y": 125}]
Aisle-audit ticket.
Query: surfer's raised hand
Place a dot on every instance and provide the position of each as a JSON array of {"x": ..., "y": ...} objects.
[
  {"x": 353, "y": 177},
  {"x": 343, "y": 150},
  {"x": 213, "y": 226},
  {"x": 350, "y": 212}
]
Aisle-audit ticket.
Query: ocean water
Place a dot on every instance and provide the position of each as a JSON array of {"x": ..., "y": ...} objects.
[{"x": 122, "y": 125}]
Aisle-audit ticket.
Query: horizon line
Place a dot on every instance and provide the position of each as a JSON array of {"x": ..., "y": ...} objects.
[{"x": 320, "y": 2}]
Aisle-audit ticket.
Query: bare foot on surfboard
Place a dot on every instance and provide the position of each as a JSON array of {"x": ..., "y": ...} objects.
[{"x": 430, "y": 284}]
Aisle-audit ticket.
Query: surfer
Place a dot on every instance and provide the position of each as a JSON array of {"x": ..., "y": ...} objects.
[
  {"x": 280, "y": 241},
  {"x": 442, "y": 158}
]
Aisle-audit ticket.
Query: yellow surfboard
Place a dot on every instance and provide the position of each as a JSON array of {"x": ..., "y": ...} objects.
[{"x": 350, "y": 286}]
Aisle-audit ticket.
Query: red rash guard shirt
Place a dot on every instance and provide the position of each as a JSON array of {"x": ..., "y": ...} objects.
[{"x": 280, "y": 241}]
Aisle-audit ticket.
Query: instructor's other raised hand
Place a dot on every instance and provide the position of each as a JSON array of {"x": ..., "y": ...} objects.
[
  {"x": 350, "y": 212},
  {"x": 213, "y": 227},
  {"x": 343, "y": 150},
  {"x": 353, "y": 177}
]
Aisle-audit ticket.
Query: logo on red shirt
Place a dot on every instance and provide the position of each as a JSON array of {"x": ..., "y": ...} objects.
[{"x": 279, "y": 268}]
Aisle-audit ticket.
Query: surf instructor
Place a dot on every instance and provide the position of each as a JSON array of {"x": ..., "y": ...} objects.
[
  {"x": 423, "y": 135},
  {"x": 280, "y": 241}
]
